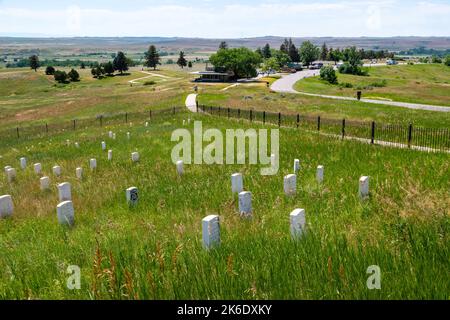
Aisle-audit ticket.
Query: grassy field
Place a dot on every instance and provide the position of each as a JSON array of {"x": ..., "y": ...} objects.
[
  {"x": 154, "y": 251},
  {"x": 422, "y": 83}
]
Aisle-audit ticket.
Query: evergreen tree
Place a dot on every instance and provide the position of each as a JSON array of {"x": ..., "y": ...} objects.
[
  {"x": 108, "y": 68},
  {"x": 34, "y": 62},
  {"x": 182, "y": 62},
  {"x": 324, "y": 52},
  {"x": 50, "y": 71},
  {"x": 266, "y": 52},
  {"x": 120, "y": 62},
  {"x": 73, "y": 75},
  {"x": 223, "y": 45},
  {"x": 152, "y": 58},
  {"x": 293, "y": 52}
]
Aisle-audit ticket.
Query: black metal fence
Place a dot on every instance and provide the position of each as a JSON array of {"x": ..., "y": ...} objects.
[
  {"x": 403, "y": 136},
  {"x": 84, "y": 123}
]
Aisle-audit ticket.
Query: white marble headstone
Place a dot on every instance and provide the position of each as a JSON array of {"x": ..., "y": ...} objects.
[
  {"x": 23, "y": 163},
  {"x": 114, "y": 136},
  {"x": 110, "y": 155},
  {"x": 135, "y": 156},
  {"x": 103, "y": 145},
  {"x": 290, "y": 184},
  {"x": 45, "y": 183},
  {"x": 6, "y": 206},
  {"x": 37, "y": 168},
  {"x": 245, "y": 203},
  {"x": 6, "y": 169},
  {"x": 93, "y": 164},
  {"x": 57, "y": 171},
  {"x": 211, "y": 231},
  {"x": 128, "y": 135},
  {"x": 319, "y": 174},
  {"x": 296, "y": 166},
  {"x": 298, "y": 223},
  {"x": 110, "y": 134},
  {"x": 65, "y": 213},
  {"x": 364, "y": 187},
  {"x": 180, "y": 169},
  {"x": 79, "y": 173},
  {"x": 64, "y": 191},
  {"x": 237, "y": 184},
  {"x": 132, "y": 195},
  {"x": 11, "y": 174}
]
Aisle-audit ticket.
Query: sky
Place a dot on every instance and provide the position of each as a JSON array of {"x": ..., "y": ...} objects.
[{"x": 225, "y": 19}]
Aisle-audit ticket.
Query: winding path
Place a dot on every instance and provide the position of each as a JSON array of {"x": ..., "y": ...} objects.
[{"x": 286, "y": 85}]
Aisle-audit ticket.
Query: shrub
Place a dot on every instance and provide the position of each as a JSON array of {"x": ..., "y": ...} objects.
[
  {"x": 328, "y": 74},
  {"x": 60, "y": 76},
  {"x": 379, "y": 84},
  {"x": 345, "y": 85},
  {"x": 436, "y": 59},
  {"x": 346, "y": 68},
  {"x": 73, "y": 75},
  {"x": 149, "y": 83},
  {"x": 447, "y": 61},
  {"x": 50, "y": 71}
]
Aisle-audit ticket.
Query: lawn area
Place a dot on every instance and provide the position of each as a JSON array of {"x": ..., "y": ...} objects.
[
  {"x": 421, "y": 83},
  {"x": 154, "y": 251},
  {"x": 261, "y": 98},
  {"x": 32, "y": 97}
]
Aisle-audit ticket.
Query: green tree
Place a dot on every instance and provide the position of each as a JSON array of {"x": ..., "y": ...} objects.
[
  {"x": 266, "y": 52},
  {"x": 60, "y": 76},
  {"x": 190, "y": 64},
  {"x": 436, "y": 59},
  {"x": 182, "y": 62},
  {"x": 50, "y": 71},
  {"x": 327, "y": 73},
  {"x": 324, "y": 52},
  {"x": 108, "y": 68},
  {"x": 308, "y": 52},
  {"x": 447, "y": 60},
  {"x": 82, "y": 65},
  {"x": 281, "y": 57},
  {"x": 270, "y": 64},
  {"x": 34, "y": 62},
  {"x": 223, "y": 45},
  {"x": 241, "y": 61},
  {"x": 120, "y": 62},
  {"x": 74, "y": 75},
  {"x": 152, "y": 59},
  {"x": 293, "y": 52}
]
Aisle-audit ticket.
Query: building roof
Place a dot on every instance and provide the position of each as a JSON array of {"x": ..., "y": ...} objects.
[{"x": 212, "y": 73}]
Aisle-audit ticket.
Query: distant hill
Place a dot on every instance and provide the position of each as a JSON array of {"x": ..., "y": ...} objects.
[{"x": 139, "y": 44}]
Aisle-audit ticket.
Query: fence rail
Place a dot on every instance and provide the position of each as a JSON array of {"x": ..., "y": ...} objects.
[
  {"x": 84, "y": 123},
  {"x": 402, "y": 136}
]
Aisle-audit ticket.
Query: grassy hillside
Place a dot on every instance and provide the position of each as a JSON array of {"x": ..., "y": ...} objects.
[
  {"x": 154, "y": 251},
  {"x": 427, "y": 83}
]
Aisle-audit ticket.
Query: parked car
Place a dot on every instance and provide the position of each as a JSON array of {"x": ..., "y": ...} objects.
[
  {"x": 316, "y": 65},
  {"x": 391, "y": 62}
]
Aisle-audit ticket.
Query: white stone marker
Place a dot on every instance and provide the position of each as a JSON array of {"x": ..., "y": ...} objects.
[
  {"x": 68, "y": 142},
  {"x": 65, "y": 213},
  {"x": 103, "y": 145},
  {"x": 79, "y": 173},
  {"x": 180, "y": 169},
  {"x": 135, "y": 156},
  {"x": 132, "y": 195},
  {"x": 146, "y": 124},
  {"x": 57, "y": 171},
  {"x": 290, "y": 184},
  {"x": 11, "y": 174},
  {"x": 319, "y": 174},
  {"x": 23, "y": 163},
  {"x": 45, "y": 183},
  {"x": 6, "y": 206},
  {"x": 237, "y": 184},
  {"x": 128, "y": 135},
  {"x": 93, "y": 164},
  {"x": 37, "y": 168},
  {"x": 77, "y": 145},
  {"x": 114, "y": 136},
  {"x": 245, "y": 203},
  {"x": 211, "y": 231},
  {"x": 364, "y": 187},
  {"x": 296, "y": 166},
  {"x": 64, "y": 191},
  {"x": 298, "y": 223},
  {"x": 6, "y": 169},
  {"x": 110, "y": 134},
  {"x": 109, "y": 155}
]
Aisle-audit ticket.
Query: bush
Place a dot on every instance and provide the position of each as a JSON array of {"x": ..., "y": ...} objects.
[
  {"x": 149, "y": 83},
  {"x": 346, "y": 68},
  {"x": 447, "y": 61},
  {"x": 73, "y": 75},
  {"x": 50, "y": 71},
  {"x": 436, "y": 59},
  {"x": 380, "y": 84},
  {"x": 345, "y": 85},
  {"x": 328, "y": 74},
  {"x": 60, "y": 76}
]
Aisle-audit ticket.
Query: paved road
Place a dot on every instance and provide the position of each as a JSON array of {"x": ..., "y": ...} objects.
[{"x": 286, "y": 84}]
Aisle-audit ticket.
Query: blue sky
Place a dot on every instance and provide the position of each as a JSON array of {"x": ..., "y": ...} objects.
[{"x": 225, "y": 19}]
